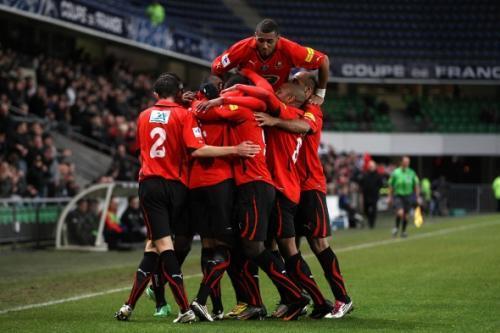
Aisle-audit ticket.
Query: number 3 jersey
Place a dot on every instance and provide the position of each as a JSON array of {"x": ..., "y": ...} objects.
[{"x": 166, "y": 133}]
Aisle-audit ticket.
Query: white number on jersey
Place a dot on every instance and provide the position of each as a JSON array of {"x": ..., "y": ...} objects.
[
  {"x": 295, "y": 154},
  {"x": 157, "y": 150}
]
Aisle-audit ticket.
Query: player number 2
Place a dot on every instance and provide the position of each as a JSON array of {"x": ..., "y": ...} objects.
[
  {"x": 295, "y": 154},
  {"x": 157, "y": 150}
]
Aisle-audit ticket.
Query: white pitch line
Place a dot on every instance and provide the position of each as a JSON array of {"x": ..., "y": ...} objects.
[{"x": 340, "y": 250}]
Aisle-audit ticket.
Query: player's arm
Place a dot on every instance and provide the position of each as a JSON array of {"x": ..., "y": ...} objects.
[
  {"x": 249, "y": 102},
  {"x": 257, "y": 79},
  {"x": 416, "y": 186},
  {"x": 244, "y": 149},
  {"x": 390, "y": 190},
  {"x": 309, "y": 58},
  {"x": 297, "y": 126},
  {"x": 230, "y": 58}
]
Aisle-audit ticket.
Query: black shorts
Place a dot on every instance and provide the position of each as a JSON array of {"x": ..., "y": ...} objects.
[
  {"x": 403, "y": 202},
  {"x": 163, "y": 203},
  {"x": 211, "y": 209},
  {"x": 254, "y": 203},
  {"x": 282, "y": 217},
  {"x": 312, "y": 219}
]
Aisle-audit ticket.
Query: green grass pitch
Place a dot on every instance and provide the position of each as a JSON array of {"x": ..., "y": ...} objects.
[{"x": 444, "y": 278}]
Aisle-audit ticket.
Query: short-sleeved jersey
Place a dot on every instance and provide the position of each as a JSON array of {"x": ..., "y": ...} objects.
[
  {"x": 209, "y": 171},
  {"x": 243, "y": 127},
  {"x": 309, "y": 164},
  {"x": 403, "y": 181},
  {"x": 165, "y": 133},
  {"x": 283, "y": 150},
  {"x": 276, "y": 68}
]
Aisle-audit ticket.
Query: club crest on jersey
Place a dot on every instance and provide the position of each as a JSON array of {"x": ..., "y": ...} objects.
[
  {"x": 264, "y": 68},
  {"x": 197, "y": 132},
  {"x": 272, "y": 79},
  {"x": 159, "y": 116},
  {"x": 225, "y": 60}
]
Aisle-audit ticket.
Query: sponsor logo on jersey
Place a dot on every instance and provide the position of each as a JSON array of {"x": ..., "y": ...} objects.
[
  {"x": 225, "y": 60},
  {"x": 197, "y": 132},
  {"x": 159, "y": 116},
  {"x": 310, "y": 54},
  {"x": 310, "y": 116},
  {"x": 233, "y": 107}
]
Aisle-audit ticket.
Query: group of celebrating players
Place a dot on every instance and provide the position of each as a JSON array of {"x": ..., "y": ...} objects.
[{"x": 237, "y": 163}]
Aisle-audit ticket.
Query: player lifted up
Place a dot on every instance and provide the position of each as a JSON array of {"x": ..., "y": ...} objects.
[{"x": 273, "y": 56}]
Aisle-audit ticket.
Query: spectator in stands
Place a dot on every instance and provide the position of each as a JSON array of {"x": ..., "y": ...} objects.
[
  {"x": 37, "y": 177},
  {"x": 133, "y": 221},
  {"x": 156, "y": 13},
  {"x": 496, "y": 191},
  {"x": 6, "y": 180},
  {"x": 371, "y": 183},
  {"x": 81, "y": 227},
  {"x": 114, "y": 233},
  {"x": 123, "y": 167}
]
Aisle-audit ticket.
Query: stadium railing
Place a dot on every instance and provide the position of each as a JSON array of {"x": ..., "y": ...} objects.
[{"x": 29, "y": 220}]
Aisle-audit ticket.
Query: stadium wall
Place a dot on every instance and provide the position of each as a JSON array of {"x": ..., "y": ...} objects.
[{"x": 396, "y": 144}]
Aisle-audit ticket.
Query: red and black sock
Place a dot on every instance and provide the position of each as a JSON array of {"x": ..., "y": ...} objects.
[
  {"x": 142, "y": 277},
  {"x": 250, "y": 279},
  {"x": 158, "y": 286},
  {"x": 330, "y": 264},
  {"x": 299, "y": 270},
  {"x": 284, "y": 299},
  {"x": 276, "y": 271},
  {"x": 173, "y": 275},
  {"x": 235, "y": 272},
  {"x": 214, "y": 270},
  {"x": 215, "y": 293}
]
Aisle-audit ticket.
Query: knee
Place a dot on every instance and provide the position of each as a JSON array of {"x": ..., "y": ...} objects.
[
  {"x": 318, "y": 245},
  {"x": 182, "y": 243},
  {"x": 252, "y": 249}
]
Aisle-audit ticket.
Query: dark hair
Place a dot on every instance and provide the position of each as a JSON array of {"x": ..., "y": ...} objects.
[
  {"x": 267, "y": 25},
  {"x": 236, "y": 79},
  {"x": 167, "y": 85}
]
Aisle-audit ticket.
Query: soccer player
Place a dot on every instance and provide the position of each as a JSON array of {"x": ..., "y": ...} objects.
[
  {"x": 311, "y": 219},
  {"x": 403, "y": 191},
  {"x": 255, "y": 197},
  {"x": 167, "y": 134},
  {"x": 283, "y": 150},
  {"x": 273, "y": 56}
]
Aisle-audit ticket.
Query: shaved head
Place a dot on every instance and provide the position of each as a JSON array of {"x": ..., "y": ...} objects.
[
  {"x": 290, "y": 93},
  {"x": 308, "y": 82}
]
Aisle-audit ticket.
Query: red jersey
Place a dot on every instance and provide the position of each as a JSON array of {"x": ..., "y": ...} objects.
[
  {"x": 209, "y": 171},
  {"x": 243, "y": 127},
  {"x": 276, "y": 68},
  {"x": 282, "y": 153},
  {"x": 165, "y": 132},
  {"x": 309, "y": 165}
]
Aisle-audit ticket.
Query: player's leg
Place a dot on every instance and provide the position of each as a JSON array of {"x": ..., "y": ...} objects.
[
  {"x": 313, "y": 215},
  {"x": 399, "y": 209},
  {"x": 163, "y": 204},
  {"x": 141, "y": 278},
  {"x": 256, "y": 203},
  {"x": 406, "y": 211},
  {"x": 281, "y": 307}
]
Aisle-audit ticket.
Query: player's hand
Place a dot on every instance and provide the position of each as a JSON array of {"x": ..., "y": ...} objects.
[
  {"x": 264, "y": 119},
  {"x": 247, "y": 149},
  {"x": 205, "y": 105},
  {"x": 188, "y": 97},
  {"x": 232, "y": 88},
  {"x": 316, "y": 100}
]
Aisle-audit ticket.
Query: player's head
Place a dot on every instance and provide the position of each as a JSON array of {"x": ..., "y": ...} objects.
[
  {"x": 211, "y": 86},
  {"x": 236, "y": 79},
  {"x": 168, "y": 85},
  {"x": 372, "y": 166},
  {"x": 307, "y": 80},
  {"x": 291, "y": 94},
  {"x": 405, "y": 162},
  {"x": 266, "y": 37}
]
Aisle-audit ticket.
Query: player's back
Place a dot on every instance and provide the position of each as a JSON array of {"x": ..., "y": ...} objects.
[
  {"x": 309, "y": 164},
  {"x": 160, "y": 139},
  {"x": 283, "y": 150}
]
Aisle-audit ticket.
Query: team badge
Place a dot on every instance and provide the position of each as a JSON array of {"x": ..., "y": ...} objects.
[
  {"x": 225, "y": 60},
  {"x": 159, "y": 116},
  {"x": 197, "y": 132}
]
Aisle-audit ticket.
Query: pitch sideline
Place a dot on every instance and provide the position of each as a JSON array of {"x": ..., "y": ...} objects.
[{"x": 340, "y": 250}]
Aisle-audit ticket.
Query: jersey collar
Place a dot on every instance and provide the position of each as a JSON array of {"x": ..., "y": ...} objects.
[{"x": 165, "y": 102}]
